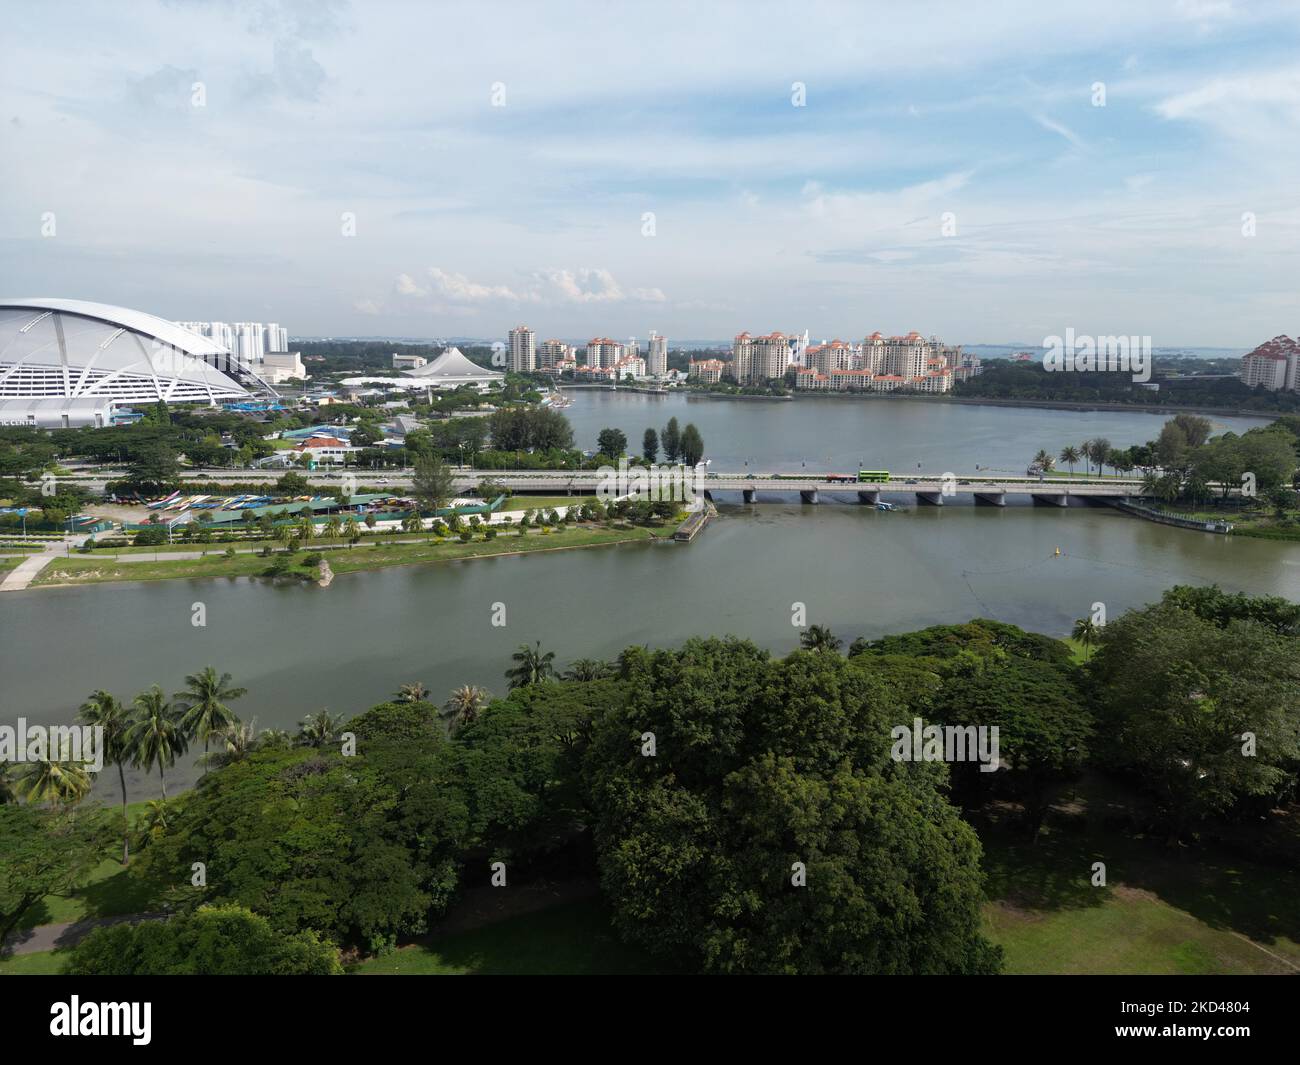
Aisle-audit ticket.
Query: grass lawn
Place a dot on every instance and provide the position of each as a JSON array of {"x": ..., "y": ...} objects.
[
  {"x": 364, "y": 556},
  {"x": 565, "y": 940},
  {"x": 522, "y": 502},
  {"x": 1162, "y": 911},
  {"x": 42, "y": 963},
  {"x": 8, "y": 563}
]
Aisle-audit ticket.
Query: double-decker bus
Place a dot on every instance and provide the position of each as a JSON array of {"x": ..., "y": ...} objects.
[{"x": 873, "y": 476}]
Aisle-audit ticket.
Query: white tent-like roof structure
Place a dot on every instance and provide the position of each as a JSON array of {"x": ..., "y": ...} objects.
[{"x": 452, "y": 369}]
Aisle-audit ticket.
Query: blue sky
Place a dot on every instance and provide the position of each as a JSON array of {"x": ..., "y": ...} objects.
[{"x": 471, "y": 218}]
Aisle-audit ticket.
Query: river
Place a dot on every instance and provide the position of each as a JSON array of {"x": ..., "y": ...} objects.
[{"x": 861, "y": 572}]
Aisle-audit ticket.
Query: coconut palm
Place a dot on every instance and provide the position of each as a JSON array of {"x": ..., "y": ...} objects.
[
  {"x": 103, "y": 711},
  {"x": 533, "y": 666},
  {"x": 464, "y": 707},
  {"x": 587, "y": 669},
  {"x": 274, "y": 739},
  {"x": 1085, "y": 450},
  {"x": 283, "y": 534},
  {"x": 316, "y": 730},
  {"x": 1070, "y": 455},
  {"x": 820, "y": 638},
  {"x": 411, "y": 693},
  {"x": 1044, "y": 461},
  {"x": 156, "y": 736},
  {"x": 352, "y": 530},
  {"x": 7, "y": 792},
  {"x": 1086, "y": 632},
  {"x": 334, "y": 527},
  {"x": 204, "y": 712},
  {"x": 153, "y": 822},
  {"x": 239, "y": 740},
  {"x": 51, "y": 780},
  {"x": 1099, "y": 452}
]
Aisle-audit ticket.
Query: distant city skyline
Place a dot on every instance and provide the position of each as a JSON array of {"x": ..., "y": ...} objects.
[{"x": 972, "y": 173}]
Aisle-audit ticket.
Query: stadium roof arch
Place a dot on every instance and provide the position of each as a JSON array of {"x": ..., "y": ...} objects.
[{"x": 75, "y": 349}]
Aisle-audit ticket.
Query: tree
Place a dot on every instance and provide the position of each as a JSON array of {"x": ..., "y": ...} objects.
[
  {"x": 532, "y": 666},
  {"x": 650, "y": 446},
  {"x": 820, "y": 638},
  {"x": 1044, "y": 461},
  {"x": 671, "y": 439},
  {"x": 238, "y": 741},
  {"x": 768, "y": 775},
  {"x": 352, "y": 530},
  {"x": 214, "y": 941},
  {"x": 433, "y": 484},
  {"x": 411, "y": 693},
  {"x": 611, "y": 442},
  {"x": 154, "y": 467},
  {"x": 1196, "y": 430},
  {"x": 1070, "y": 455},
  {"x": 202, "y": 704},
  {"x": 319, "y": 729},
  {"x": 463, "y": 707},
  {"x": 102, "y": 710},
  {"x": 1043, "y": 729},
  {"x": 585, "y": 669},
  {"x": 47, "y": 851},
  {"x": 156, "y": 736},
  {"x": 1098, "y": 451},
  {"x": 1086, "y": 631},
  {"x": 54, "y": 780},
  {"x": 692, "y": 445},
  {"x": 1202, "y": 714},
  {"x": 1085, "y": 449}
]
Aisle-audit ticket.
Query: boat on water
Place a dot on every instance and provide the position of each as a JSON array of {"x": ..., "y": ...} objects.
[{"x": 881, "y": 505}]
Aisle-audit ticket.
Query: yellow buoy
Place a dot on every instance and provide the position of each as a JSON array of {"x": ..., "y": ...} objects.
[{"x": 1058, "y": 552}]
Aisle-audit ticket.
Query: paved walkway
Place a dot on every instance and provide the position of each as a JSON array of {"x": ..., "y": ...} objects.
[
  {"x": 26, "y": 571},
  {"x": 69, "y": 933}
]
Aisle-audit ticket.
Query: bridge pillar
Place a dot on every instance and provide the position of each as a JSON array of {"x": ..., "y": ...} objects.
[
  {"x": 1051, "y": 501},
  {"x": 929, "y": 499},
  {"x": 868, "y": 499},
  {"x": 750, "y": 494},
  {"x": 990, "y": 499},
  {"x": 809, "y": 496}
]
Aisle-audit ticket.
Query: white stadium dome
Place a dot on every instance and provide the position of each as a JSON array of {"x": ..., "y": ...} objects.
[{"x": 94, "y": 354}]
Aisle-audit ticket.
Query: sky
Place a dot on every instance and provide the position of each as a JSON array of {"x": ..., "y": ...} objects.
[{"x": 985, "y": 172}]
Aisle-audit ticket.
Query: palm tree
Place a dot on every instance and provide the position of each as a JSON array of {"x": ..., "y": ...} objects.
[
  {"x": 1099, "y": 451},
  {"x": 156, "y": 735},
  {"x": 7, "y": 792},
  {"x": 464, "y": 707},
  {"x": 316, "y": 730},
  {"x": 103, "y": 711},
  {"x": 820, "y": 638},
  {"x": 54, "y": 781},
  {"x": 411, "y": 693},
  {"x": 587, "y": 669},
  {"x": 1044, "y": 461},
  {"x": 1086, "y": 632},
  {"x": 352, "y": 530},
  {"x": 204, "y": 712},
  {"x": 533, "y": 666},
  {"x": 1070, "y": 455},
  {"x": 154, "y": 820},
  {"x": 334, "y": 527},
  {"x": 239, "y": 740},
  {"x": 283, "y": 534},
  {"x": 1085, "y": 449},
  {"x": 274, "y": 739}
]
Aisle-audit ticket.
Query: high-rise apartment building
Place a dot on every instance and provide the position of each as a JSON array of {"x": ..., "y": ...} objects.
[
  {"x": 757, "y": 360},
  {"x": 1274, "y": 365},
  {"x": 657, "y": 355},
  {"x": 603, "y": 352},
  {"x": 523, "y": 353},
  {"x": 551, "y": 353},
  {"x": 251, "y": 341}
]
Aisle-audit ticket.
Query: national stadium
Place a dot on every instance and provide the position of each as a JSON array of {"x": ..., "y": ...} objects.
[{"x": 68, "y": 363}]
